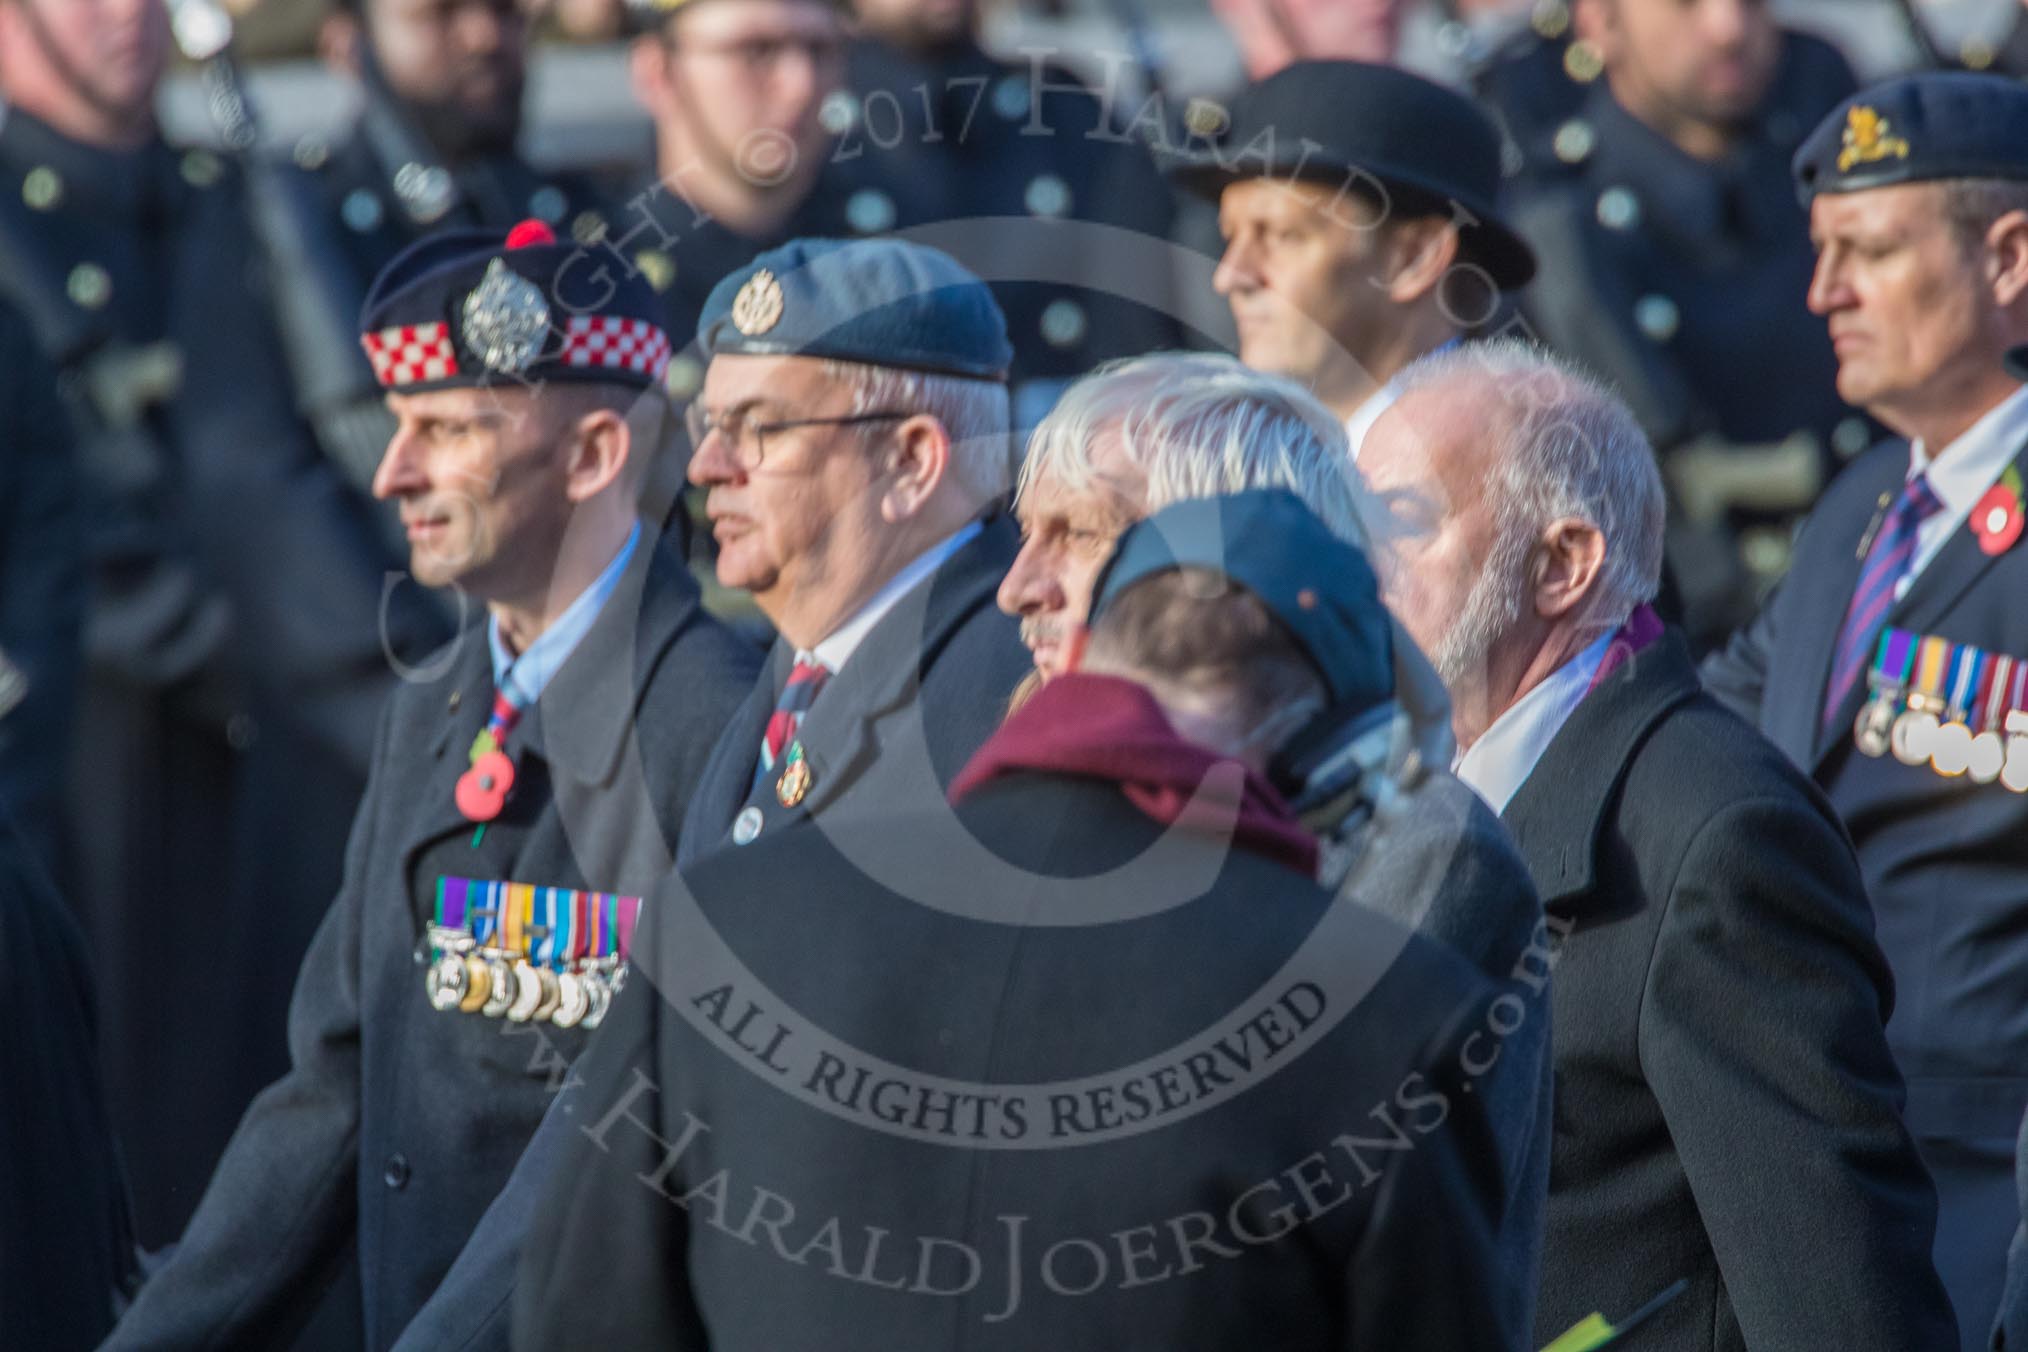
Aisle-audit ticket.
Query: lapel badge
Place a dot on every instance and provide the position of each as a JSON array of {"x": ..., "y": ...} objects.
[
  {"x": 747, "y": 826},
  {"x": 1997, "y": 519},
  {"x": 506, "y": 319},
  {"x": 1869, "y": 137},
  {"x": 795, "y": 780},
  {"x": 758, "y": 306}
]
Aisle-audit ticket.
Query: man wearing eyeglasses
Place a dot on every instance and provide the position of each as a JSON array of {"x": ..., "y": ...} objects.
[{"x": 852, "y": 441}]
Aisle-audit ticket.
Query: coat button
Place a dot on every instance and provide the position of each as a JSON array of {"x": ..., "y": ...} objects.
[{"x": 396, "y": 1173}]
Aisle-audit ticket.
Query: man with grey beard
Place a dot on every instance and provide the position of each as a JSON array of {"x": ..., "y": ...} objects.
[
  {"x": 1401, "y": 835},
  {"x": 1726, "y": 1102}
]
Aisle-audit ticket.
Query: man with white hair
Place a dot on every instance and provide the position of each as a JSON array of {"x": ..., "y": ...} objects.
[
  {"x": 1140, "y": 435},
  {"x": 1726, "y": 1103}
]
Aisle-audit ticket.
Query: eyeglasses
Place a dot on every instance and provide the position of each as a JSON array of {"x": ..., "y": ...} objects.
[{"x": 748, "y": 439}]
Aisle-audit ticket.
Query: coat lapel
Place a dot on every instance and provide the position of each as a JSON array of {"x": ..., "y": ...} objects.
[
  {"x": 434, "y": 808},
  {"x": 1561, "y": 809},
  {"x": 584, "y": 717},
  {"x": 885, "y": 674}
]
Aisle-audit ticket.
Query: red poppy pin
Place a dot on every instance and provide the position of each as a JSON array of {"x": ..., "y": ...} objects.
[{"x": 1998, "y": 517}]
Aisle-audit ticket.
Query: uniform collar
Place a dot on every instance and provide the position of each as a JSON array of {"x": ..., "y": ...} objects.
[
  {"x": 1499, "y": 763},
  {"x": 843, "y": 641},
  {"x": 1962, "y": 471},
  {"x": 117, "y": 183},
  {"x": 530, "y": 672}
]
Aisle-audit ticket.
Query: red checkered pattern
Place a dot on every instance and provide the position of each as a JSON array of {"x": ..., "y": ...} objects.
[
  {"x": 628, "y": 344},
  {"x": 409, "y": 353}
]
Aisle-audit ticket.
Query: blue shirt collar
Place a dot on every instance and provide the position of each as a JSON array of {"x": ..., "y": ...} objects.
[{"x": 530, "y": 673}]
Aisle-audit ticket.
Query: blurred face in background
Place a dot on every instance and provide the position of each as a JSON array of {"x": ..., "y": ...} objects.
[
  {"x": 457, "y": 65},
  {"x": 1307, "y": 273},
  {"x": 735, "y": 89},
  {"x": 1695, "y": 70},
  {"x": 917, "y": 25},
  {"x": 89, "y": 68},
  {"x": 1273, "y": 33}
]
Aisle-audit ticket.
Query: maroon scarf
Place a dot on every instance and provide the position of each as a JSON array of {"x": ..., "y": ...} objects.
[{"x": 1103, "y": 727}]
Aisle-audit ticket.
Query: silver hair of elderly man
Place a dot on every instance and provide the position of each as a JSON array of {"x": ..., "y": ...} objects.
[{"x": 1201, "y": 425}]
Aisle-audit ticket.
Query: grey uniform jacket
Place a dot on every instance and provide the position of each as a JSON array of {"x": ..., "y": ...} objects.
[
  {"x": 925, "y": 688},
  {"x": 397, "y": 1123}
]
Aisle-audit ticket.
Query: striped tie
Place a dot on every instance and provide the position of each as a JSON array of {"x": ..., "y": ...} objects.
[
  {"x": 806, "y": 678},
  {"x": 1886, "y": 563}
]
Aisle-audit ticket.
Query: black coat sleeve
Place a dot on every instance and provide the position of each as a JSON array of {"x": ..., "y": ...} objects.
[
  {"x": 42, "y": 583},
  {"x": 1736, "y": 675},
  {"x": 1440, "y": 1210},
  {"x": 65, "y": 1238},
  {"x": 283, "y": 1203},
  {"x": 1789, "y": 1129},
  {"x": 604, "y": 1260}
]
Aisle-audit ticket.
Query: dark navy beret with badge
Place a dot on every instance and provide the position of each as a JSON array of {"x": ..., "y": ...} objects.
[
  {"x": 882, "y": 302},
  {"x": 1917, "y": 129},
  {"x": 1432, "y": 149},
  {"x": 1320, "y": 588},
  {"x": 469, "y": 307}
]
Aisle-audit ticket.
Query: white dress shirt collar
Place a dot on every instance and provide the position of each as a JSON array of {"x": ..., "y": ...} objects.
[
  {"x": 1499, "y": 763},
  {"x": 1362, "y": 419},
  {"x": 1961, "y": 473},
  {"x": 840, "y": 644}
]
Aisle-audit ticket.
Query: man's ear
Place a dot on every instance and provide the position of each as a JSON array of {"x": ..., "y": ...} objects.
[
  {"x": 338, "y": 39},
  {"x": 1421, "y": 252},
  {"x": 918, "y": 460},
  {"x": 599, "y": 453},
  {"x": 2007, "y": 252},
  {"x": 1568, "y": 560},
  {"x": 648, "y": 71}
]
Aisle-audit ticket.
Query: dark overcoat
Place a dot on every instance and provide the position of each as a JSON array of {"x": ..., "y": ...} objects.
[
  {"x": 397, "y": 1123},
  {"x": 1253, "y": 1218},
  {"x": 1727, "y": 1111},
  {"x": 924, "y": 690}
]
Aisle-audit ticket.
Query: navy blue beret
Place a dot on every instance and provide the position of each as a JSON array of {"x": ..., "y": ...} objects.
[
  {"x": 1937, "y": 124},
  {"x": 880, "y": 301},
  {"x": 1321, "y": 588},
  {"x": 473, "y": 307}
]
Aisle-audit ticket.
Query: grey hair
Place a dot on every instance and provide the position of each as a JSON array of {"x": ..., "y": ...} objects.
[
  {"x": 1568, "y": 447},
  {"x": 1201, "y": 425},
  {"x": 1972, "y": 205},
  {"x": 975, "y": 413}
]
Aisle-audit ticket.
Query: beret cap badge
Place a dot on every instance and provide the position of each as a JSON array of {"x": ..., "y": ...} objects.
[
  {"x": 1869, "y": 138},
  {"x": 506, "y": 319},
  {"x": 758, "y": 306}
]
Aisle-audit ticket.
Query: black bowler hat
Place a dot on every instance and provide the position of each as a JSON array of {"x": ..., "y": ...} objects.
[
  {"x": 467, "y": 308},
  {"x": 1352, "y": 122},
  {"x": 1321, "y": 589},
  {"x": 1916, "y": 129}
]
